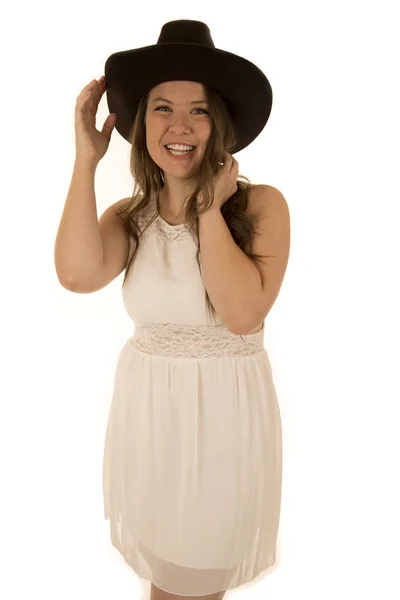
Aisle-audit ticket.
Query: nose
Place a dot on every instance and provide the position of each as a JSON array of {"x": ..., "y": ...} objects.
[{"x": 180, "y": 121}]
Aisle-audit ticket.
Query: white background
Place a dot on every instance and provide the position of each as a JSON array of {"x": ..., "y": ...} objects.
[{"x": 331, "y": 146}]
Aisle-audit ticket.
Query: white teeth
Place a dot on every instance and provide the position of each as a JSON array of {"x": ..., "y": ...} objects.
[
  {"x": 178, "y": 152},
  {"x": 180, "y": 148}
]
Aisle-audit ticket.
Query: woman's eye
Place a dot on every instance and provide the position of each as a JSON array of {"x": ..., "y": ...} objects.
[{"x": 202, "y": 109}]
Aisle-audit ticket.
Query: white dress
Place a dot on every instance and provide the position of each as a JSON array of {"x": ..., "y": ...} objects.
[{"x": 192, "y": 465}]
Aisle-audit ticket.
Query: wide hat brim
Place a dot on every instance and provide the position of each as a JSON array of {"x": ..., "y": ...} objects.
[{"x": 130, "y": 74}]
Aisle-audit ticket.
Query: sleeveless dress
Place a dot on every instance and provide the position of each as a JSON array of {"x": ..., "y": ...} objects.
[{"x": 192, "y": 465}]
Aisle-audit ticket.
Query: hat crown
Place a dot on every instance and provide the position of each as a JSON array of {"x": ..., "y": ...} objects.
[{"x": 186, "y": 31}]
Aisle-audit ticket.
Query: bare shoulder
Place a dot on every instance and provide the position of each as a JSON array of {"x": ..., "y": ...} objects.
[
  {"x": 121, "y": 203},
  {"x": 125, "y": 202},
  {"x": 265, "y": 198},
  {"x": 273, "y": 228}
]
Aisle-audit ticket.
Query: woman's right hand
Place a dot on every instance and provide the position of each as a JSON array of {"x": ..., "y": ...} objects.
[{"x": 91, "y": 144}]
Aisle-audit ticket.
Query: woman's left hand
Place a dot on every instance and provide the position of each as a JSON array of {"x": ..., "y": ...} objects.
[{"x": 225, "y": 184}]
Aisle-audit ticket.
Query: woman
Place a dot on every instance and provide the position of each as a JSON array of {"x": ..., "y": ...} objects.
[{"x": 192, "y": 456}]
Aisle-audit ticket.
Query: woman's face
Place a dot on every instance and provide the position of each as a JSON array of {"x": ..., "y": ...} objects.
[{"x": 181, "y": 120}]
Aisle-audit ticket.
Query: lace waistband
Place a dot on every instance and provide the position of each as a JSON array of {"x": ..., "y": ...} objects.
[{"x": 194, "y": 341}]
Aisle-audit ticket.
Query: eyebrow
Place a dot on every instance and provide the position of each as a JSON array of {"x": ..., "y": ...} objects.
[{"x": 170, "y": 102}]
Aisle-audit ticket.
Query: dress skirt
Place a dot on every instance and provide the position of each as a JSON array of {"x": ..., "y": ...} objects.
[{"x": 192, "y": 466}]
